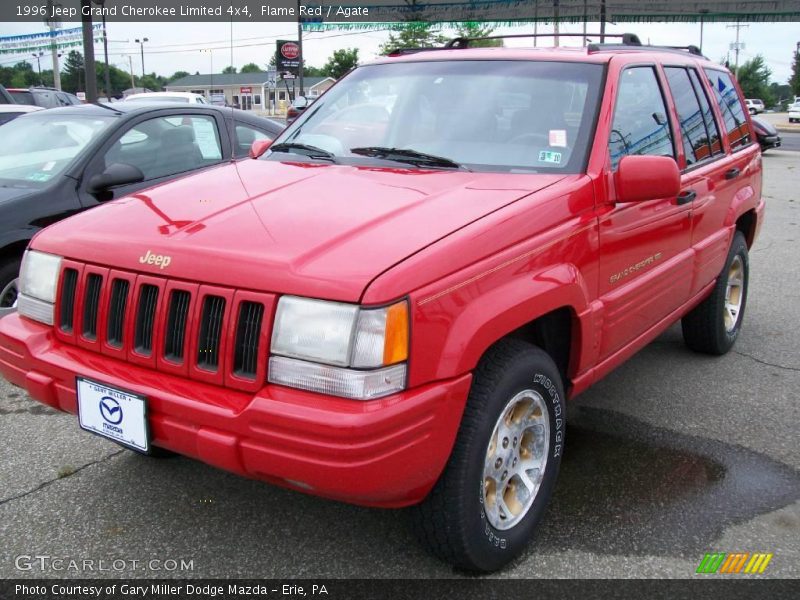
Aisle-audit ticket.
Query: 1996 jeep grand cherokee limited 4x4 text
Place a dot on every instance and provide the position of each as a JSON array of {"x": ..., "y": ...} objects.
[{"x": 392, "y": 304}]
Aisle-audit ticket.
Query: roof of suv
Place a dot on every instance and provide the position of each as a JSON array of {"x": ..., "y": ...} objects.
[{"x": 598, "y": 54}]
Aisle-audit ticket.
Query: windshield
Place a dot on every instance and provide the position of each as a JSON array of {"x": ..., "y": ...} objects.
[
  {"x": 23, "y": 98},
  {"x": 501, "y": 116},
  {"x": 37, "y": 147}
]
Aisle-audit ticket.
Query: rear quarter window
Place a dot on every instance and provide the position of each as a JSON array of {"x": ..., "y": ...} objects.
[{"x": 730, "y": 105}]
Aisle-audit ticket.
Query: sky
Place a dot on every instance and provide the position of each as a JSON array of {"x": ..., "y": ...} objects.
[{"x": 174, "y": 48}]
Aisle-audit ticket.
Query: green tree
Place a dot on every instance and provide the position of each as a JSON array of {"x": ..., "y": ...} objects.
[
  {"x": 471, "y": 29},
  {"x": 341, "y": 62},
  {"x": 178, "y": 75},
  {"x": 794, "y": 81},
  {"x": 250, "y": 68},
  {"x": 72, "y": 78},
  {"x": 229, "y": 70},
  {"x": 415, "y": 34},
  {"x": 753, "y": 77}
]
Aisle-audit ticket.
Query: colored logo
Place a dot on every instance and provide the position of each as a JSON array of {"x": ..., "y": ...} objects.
[
  {"x": 734, "y": 563},
  {"x": 290, "y": 50},
  {"x": 110, "y": 410}
]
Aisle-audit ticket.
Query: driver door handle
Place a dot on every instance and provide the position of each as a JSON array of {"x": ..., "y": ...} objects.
[
  {"x": 686, "y": 197},
  {"x": 732, "y": 173}
]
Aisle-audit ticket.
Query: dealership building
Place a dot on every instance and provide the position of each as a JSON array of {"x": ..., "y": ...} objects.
[{"x": 262, "y": 91}]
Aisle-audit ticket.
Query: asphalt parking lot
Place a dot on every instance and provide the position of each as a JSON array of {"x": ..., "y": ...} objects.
[{"x": 672, "y": 456}]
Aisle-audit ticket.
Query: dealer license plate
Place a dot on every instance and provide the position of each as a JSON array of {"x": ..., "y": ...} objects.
[{"x": 113, "y": 413}]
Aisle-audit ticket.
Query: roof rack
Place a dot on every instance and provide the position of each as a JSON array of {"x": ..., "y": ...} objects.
[
  {"x": 691, "y": 49},
  {"x": 628, "y": 39}
]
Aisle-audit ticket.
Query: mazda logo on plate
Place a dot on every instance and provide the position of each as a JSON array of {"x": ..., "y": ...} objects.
[{"x": 110, "y": 410}]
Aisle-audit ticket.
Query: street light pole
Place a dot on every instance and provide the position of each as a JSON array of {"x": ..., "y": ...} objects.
[
  {"x": 38, "y": 57},
  {"x": 141, "y": 46},
  {"x": 211, "y": 56}
]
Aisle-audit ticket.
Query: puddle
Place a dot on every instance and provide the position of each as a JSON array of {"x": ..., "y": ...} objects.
[{"x": 626, "y": 487}]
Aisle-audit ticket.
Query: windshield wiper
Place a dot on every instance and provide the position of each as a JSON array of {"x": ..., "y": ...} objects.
[
  {"x": 408, "y": 155},
  {"x": 304, "y": 149}
]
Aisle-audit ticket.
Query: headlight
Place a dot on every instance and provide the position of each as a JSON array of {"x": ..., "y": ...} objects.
[
  {"x": 367, "y": 347},
  {"x": 38, "y": 282}
]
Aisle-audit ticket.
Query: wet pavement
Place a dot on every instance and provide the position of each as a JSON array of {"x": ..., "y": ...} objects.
[{"x": 671, "y": 456}]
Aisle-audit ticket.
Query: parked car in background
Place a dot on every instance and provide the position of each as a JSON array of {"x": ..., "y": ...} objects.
[
  {"x": 754, "y": 106},
  {"x": 54, "y": 163},
  {"x": 767, "y": 135},
  {"x": 43, "y": 96},
  {"x": 9, "y": 112},
  {"x": 5, "y": 97},
  {"x": 296, "y": 108},
  {"x": 182, "y": 97},
  {"x": 794, "y": 113}
]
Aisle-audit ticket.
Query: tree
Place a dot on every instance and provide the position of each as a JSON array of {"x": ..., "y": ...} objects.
[
  {"x": 416, "y": 34},
  {"x": 230, "y": 70},
  {"x": 178, "y": 75},
  {"x": 340, "y": 62},
  {"x": 794, "y": 81},
  {"x": 250, "y": 68},
  {"x": 471, "y": 29},
  {"x": 72, "y": 79},
  {"x": 753, "y": 77}
]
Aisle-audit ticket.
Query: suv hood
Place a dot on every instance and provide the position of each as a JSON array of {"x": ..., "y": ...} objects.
[{"x": 296, "y": 228}]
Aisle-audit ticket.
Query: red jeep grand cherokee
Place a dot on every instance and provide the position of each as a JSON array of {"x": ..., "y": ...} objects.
[{"x": 392, "y": 304}]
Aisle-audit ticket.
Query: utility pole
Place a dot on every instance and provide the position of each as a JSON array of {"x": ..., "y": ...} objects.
[
  {"x": 88, "y": 52},
  {"x": 211, "y": 55},
  {"x": 602, "y": 21},
  {"x": 102, "y": 4},
  {"x": 703, "y": 13},
  {"x": 555, "y": 22},
  {"x": 53, "y": 24},
  {"x": 737, "y": 46},
  {"x": 130, "y": 68},
  {"x": 300, "y": 46}
]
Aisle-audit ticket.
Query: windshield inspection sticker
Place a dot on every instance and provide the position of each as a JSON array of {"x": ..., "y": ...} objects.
[
  {"x": 550, "y": 157},
  {"x": 558, "y": 137},
  {"x": 49, "y": 166}
]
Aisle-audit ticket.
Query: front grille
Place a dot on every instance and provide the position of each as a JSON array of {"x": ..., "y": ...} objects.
[
  {"x": 116, "y": 313},
  {"x": 175, "y": 333},
  {"x": 132, "y": 317},
  {"x": 91, "y": 304},
  {"x": 248, "y": 333},
  {"x": 145, "y": 319},
  {"x": 210, "y": 332},
  {"x": 67, "y": 313}
]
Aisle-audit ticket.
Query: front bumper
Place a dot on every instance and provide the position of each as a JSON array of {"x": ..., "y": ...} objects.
[{"x": 386, "y": 452}]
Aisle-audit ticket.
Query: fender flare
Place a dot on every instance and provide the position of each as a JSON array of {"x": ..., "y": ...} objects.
[{"x": 515, "y": 304}]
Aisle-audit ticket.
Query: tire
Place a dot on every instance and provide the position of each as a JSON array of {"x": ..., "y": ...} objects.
[
  {"x": 9, "y": 272},
  {"x": 461, "y": 521},
  {"x": 710, "y": 328}
]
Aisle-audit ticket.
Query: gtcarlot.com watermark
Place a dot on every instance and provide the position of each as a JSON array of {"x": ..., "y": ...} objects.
[{"x": 44, "y": 563}]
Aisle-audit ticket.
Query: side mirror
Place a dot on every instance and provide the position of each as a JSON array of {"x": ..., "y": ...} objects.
[
  {"x": 114, "y": 175},
  {"x": 640, "y": 178},
  {"x": 259, "y": 147},
  {"x": 300, "y": 102}
]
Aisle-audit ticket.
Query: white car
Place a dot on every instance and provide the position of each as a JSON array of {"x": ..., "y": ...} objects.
[
  {"x": 183, "y": 97},
  {"x": 794, "y": 112},
  {"x": 9, "y": 112},
  {"x": 754, "y": 105}
]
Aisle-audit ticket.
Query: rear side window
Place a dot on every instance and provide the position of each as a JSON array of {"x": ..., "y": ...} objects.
[
  {"x": 731, "y": 108},
  {"x": 698, "y": 139},
  {"x": 23, "y": 98},
  {"x": 708, "y": 115},
  {"x": 640, "y": 123}
]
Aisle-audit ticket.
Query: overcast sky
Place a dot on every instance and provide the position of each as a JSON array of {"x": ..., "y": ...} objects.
[{"x": 177, "y": 47}]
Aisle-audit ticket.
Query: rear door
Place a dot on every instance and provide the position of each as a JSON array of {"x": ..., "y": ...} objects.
[
  {"x": 645, "y": 262},
  {"x": 724, "y": 183}
]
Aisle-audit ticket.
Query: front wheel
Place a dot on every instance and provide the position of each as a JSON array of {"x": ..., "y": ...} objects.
[
  {"x": 713, "y": 325},
  {"x": 485, "y": 507}
]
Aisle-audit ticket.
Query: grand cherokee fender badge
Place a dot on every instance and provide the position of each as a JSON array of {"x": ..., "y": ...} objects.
[
  {"x": 160, "y": 260},
  {"x": 637, "y": 267}
]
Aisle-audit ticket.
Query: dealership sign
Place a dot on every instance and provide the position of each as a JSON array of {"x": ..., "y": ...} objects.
[{"x": 287, "y": 57}]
